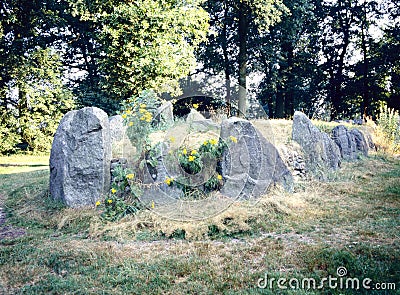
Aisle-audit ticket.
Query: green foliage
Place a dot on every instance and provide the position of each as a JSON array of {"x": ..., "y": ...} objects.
[
  {"x": 33, "y": 115},
  {"x": 116, "y": 208},
  {"x": 389, "y": 126},
  {"x": 147, "y": 44},
  {"x": 138, "y": 114},
  {"x": 214, "y": 183},
  {"x": 9, "y": 138},
  {"x": 192, "y": 162},
  {"x": 123, "y": 198}
]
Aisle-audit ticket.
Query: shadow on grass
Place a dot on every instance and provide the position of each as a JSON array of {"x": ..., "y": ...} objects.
[{"x": 23, "y": 165}]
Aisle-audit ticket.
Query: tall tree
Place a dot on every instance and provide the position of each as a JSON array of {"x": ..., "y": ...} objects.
[
  {"x": 144, "y": 44},
  {"x": 33, "y": 96},
  {"x": 241, "y": 18},
  {"x": 288, "y": 58}
]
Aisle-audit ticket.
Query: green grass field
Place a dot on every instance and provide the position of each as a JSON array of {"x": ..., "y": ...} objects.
[
  {"x": 352, "y": 222},
  {"x": 23, "y": 163}
]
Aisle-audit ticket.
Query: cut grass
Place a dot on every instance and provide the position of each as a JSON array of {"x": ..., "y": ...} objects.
[
  {"x": 353, "y": 221},
  {"x": 23, "y": 163}
]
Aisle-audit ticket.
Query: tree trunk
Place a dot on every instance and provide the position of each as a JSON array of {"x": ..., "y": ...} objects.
[
  {"x": 242, "y": 58},
  {"x": 365, "y": 94},
  {"x": 288, "y": 91},
  {"x": 280, "y": 103},
  {"x": 226, "y": 61}
]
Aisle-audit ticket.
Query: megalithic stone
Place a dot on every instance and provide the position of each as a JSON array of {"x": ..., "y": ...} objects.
[{"x": 80, "y": 158}]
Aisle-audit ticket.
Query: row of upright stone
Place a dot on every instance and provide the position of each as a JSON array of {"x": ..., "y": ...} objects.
[
  {"x": 324, "y": 153},
  {"x": 81, "y": 155}
]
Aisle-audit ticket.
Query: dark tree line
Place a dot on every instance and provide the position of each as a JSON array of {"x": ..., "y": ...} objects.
[
  {"x": 320, "y": 56},
  {"x": 312, "y": 55}
]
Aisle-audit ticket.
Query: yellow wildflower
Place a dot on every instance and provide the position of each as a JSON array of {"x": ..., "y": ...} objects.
[
  {"x": 172, "y": 139},
  {"x": 109, "y": 201},
  {"x": 130, "y": 123},
  {"x": 168, "y": 180},
  {"x": 233, "y": 138},
  {"x": 142, "y": 106},
  {"x": 191, "y": 158},
  {"x": 219, "y": 177},
  {"x": 195, "y": 106},
  {"x": 128, "y": 112},
  {"x": 142, "y": 111},
  {"x": 113, "y": 190},
  {"x": 142, "y": 118},
  {"x": 98, "y": 203},
  {"x": 213, "y": 141},
  {"x": 152, "y": 204},
  {"x": 194, "y": 152},
  {"x": 124, "y": 116},
  {"x": 184, "y": 151},
  {"x": 205, "y": 142},
  {"x": 130, "y": 176}
]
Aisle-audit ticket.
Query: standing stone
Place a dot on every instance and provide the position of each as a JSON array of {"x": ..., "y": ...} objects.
[
  {"x": 117, "y": 128},
  {"x": 321, "y": 152},
  {"x": 152, "y": 178},
  {"x": 346, "y": 142},
  {"x": 361, "y": 143},
  {"x": 80, "y": 158},
  {"x": 252, "y": 164},
  {"x": 121, "y": 147},
  {"x": 194, "y": 116}
]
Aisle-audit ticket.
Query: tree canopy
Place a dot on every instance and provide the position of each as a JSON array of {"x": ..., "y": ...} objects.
[{"x": 332, "y": 59}]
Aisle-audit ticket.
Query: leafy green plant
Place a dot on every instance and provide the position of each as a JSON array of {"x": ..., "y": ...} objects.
[
  {"x": 192, "y": 162},
  {"x": 124, "y": 196},
  {"x": 215, "y": 182},
  {"x": 388, "y": 127},
  {"x": 138, "y": 114},
  {"x": 116, "y": 208}
]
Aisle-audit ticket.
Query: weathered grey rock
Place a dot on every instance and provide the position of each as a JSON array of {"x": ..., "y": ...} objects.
[
  {"x": 321, "y": 152},
  {"x": 252, "y": 164},
  {"x": 153, "y": 179},
  {"x": 293, "y": 160},
  {"x": 194, "y": 116},
  {"x": 345, "y": 141},
  {"x": 370, "y": 142},
  {"x": 361, "y": 143},
  {"x": 80, "y": 158},
  {"x": 205, "y": 126},
  {"x": 117, "y": 128},
  {"x": 165, "y": 113}
]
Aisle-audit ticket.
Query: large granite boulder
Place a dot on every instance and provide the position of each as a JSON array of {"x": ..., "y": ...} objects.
[
  {"x": 80, "y": 158},
  {"x": 346, "y": 142},
  {"x": 321, "y": 152},
  {"x": 351, "y": 143},
  {"x": 251, "y": 163},
  {"x": 361, "y": 142}
]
